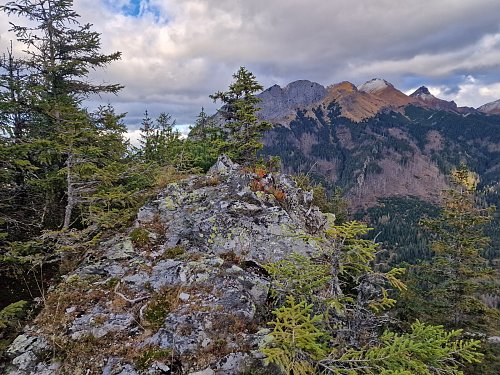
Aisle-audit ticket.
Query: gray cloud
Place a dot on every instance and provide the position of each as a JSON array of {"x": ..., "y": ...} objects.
[{"x": 179, "y": 51}]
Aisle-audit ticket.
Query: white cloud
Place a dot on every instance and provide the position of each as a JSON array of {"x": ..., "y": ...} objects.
[
  {"x": 177, "y": 52},
  {"x": 490, "y": 91},
  {"x": 134, "y": 135}
]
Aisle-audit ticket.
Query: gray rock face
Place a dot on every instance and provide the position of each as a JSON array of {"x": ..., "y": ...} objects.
[
  {"x": 278, "y": 103},
  {"x": 27, "y": 353},
  {"x": 188, "y": 301},
  {"x": 492, "y": 108}
]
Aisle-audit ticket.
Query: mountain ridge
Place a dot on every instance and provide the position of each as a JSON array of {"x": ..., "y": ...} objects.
[
  {"x": 492, "y": 108},
  {"x": 357, "y": 103}
]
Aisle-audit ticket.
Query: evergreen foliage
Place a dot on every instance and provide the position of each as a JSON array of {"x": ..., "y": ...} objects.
[
  {"x": 160, "y": 141},
  {"x": 296, "y": 341},
  {"x": 425, "y": 350},
  {"x": 61, "y": 165},
  {"x": 451, "y": 281},
  {"x": 335, "y": 329},
  {"x": 397, "y": 221},
  {"x": 298, "y": 275},
  {"x": 55, "y": 142},
  {"x": 61, "y": 51},
  {"x": 239, "y": 112},
  {"x": 206, "y": 141}
]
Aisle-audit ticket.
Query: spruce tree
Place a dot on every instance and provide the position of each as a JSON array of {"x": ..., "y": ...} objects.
[
  {"x": 446, "y": 289},
  {"x": 340, "y": 324},
  {"x": 160, "y": 141},
  {"x": 61, "y": 51},
  {"x": 205, "y": 142},
  {"x": 60, "y": 54},
  {"x": 13, "y": 113},
  {"x": 146, "y": 139},
  {"x": 239, "y": 112}
]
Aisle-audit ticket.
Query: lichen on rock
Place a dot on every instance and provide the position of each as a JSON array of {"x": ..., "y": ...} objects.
[{"x": 192, "y": 288}]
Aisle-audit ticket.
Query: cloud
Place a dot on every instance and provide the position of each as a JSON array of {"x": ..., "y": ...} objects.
[
  {"x": 134, "y": 135},
  {"x": 177, "y": 52}
]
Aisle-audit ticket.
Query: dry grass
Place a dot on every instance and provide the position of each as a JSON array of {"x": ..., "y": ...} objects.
[
  {"x": 88, "y": 355},
  {"x": 168, "y": 175},
  {"x": 206, "y": 181},
  {"x": 231, "y": 257}
]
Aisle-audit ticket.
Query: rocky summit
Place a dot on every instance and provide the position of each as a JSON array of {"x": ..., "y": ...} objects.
[
  {"x": 279, "y": 103},
  {"x": 426, "y": 99},
  {"x": 181, "y": 292}
]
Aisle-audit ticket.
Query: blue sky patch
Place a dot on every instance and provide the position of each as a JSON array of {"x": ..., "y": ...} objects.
[{"x": 133, "y": 8}]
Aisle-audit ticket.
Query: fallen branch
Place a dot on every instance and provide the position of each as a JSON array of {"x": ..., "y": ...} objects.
[{"x": 132, "y": 301}]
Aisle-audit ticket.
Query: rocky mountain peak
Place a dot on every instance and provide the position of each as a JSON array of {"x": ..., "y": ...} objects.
[
  {"x": 492, "y": 108},
  {"x": 426, "y": 99},
  {"x": 384, "y": 90},
  {"x": 375, "y": 85},
  {"x": 278, "y": 103},
  {"x": 355, "y": 105},
  {"x": 343, "y": 86},
  {"x": 421, "y": 91}
]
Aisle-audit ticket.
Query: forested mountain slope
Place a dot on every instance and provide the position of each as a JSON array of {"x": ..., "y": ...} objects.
[{"x": 377, "y": 152}]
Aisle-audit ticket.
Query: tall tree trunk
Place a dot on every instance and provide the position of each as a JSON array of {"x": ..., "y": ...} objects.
[{"x": 70, "y": 192}]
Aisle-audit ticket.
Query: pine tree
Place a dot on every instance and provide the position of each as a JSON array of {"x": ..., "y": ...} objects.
[{"x": 239, "y": 111}]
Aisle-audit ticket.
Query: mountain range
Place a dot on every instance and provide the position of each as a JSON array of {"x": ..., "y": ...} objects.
[
  {"x": 390, "y": 153},
  {"x": 357, "y": 103}
]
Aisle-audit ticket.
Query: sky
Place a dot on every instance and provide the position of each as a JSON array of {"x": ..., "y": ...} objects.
[{"x": 175, "y": 53}]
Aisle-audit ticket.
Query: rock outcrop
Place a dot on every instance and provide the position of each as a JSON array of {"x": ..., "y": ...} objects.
[
  {"x": 183, "y": 291},
  {"x": 279, "y": 103}
]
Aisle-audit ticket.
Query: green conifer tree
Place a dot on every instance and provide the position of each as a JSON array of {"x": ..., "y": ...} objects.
[
  {"x": 147, "y": 137},
  {"x": 446, "y": 289},
  {"x": 161, "y": 143},
  {"x": 239, "y": 112},
  {"x": 337, "y": 327},
  {"x": 205, "y": 142},
  {"x": 60, "y": 54}
]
